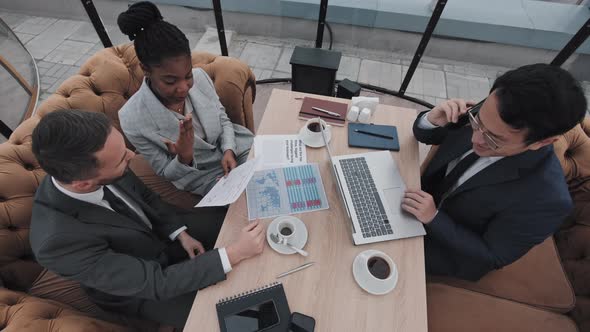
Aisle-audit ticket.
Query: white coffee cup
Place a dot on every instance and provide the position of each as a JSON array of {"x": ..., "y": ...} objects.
[
  {"x": 375, "y": 272},
  {"x": 286, "y": 230},
  {"x": 378, "y": 265},
  {"x": 312, "y": 134}
]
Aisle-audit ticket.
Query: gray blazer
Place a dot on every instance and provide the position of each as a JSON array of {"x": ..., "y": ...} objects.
[
  {"x": 118, "y": 261},
  {"x": 146, "y": 123}
]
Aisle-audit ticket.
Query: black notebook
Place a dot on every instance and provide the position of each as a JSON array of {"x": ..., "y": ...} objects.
[{"x": 262, "y": 309}]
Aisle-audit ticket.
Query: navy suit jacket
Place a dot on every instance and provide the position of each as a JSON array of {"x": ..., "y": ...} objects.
[{"x": 497, "y": 215}]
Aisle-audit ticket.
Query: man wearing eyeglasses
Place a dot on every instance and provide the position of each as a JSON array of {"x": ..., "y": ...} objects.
[{"x": 494, "y": 188}]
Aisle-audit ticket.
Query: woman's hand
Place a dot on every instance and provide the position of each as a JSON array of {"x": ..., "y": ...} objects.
[
  {"x": 183, "y": 147},
  {"x": 229, "y": 161}
]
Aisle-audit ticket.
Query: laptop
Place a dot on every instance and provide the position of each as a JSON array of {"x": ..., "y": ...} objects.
[{"x": 372, "y": 190}]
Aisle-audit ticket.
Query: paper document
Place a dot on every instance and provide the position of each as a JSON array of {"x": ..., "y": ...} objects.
[
  {"x": 228, "y": 189},
  {"x": 287, "y": 190},
  {"x": 279, "y": 150}
]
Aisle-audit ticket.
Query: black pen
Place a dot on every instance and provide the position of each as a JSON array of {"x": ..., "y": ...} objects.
[{"x": 372, "y": 134}]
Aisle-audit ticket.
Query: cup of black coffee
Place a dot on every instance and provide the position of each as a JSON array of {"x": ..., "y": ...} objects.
[
  {"x": 315, "y": 127},
  {"x": 375, "y": 272},
  {"x": 286, "y": 230},
  {"x": 311, "y": 133},
  {"x": 379, "y": 267}
]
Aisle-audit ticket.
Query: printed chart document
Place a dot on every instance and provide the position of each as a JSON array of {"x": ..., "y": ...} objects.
[
  {"x": 279, "y": 150},
  {"x": 228, "y": 189},
  {"x": 286, "y": 190}
]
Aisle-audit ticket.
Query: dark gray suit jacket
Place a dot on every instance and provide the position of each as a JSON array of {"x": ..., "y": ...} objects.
[
  {"x": 497, "y": 215},
  {"x": 119, "y": 261}
]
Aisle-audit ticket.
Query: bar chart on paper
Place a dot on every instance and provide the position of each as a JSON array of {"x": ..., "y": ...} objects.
[{"x": 286, "y": 190}]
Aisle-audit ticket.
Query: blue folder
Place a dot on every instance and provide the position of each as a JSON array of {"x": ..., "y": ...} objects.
[{"x": 360, "y": 140}]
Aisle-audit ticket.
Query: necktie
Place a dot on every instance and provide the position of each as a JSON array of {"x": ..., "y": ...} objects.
[
  {"x": 450, "y": 179},
  {"x": 120, "y": 207}
]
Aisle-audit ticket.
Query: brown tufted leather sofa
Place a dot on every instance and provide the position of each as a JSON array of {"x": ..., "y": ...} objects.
[
  {"x": 552, "y": 278},
  {"x": 103, "y": 84},
  {"x": 573, "y": 240}
]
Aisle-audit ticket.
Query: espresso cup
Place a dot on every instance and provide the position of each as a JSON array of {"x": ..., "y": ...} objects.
[
  {"x": 313, "y": 132},
  {"x": 286, "y": 230},
  {"x": 378, "y": 265}
]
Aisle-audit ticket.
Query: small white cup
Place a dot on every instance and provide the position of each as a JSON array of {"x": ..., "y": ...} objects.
[
  {"x": 312, "y": 132},
  {"x": 378, "y": 266},
  {"x": 286, "y": 230}
]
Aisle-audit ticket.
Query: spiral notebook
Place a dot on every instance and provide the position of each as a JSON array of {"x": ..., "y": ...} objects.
[{"x": 262, "y": 309}]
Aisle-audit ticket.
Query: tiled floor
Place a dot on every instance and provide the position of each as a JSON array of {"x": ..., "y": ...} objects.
[{"x": 61, "y": 46}]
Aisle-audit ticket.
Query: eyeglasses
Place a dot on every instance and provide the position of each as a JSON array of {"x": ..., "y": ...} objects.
[{"x": 474, "y": 121}]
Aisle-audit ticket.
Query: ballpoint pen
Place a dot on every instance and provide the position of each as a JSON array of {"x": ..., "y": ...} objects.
[
  {"x": 299, "y": 268},
  {"x": 372, "y": 134},
  {"x": 325, "y": 111}
]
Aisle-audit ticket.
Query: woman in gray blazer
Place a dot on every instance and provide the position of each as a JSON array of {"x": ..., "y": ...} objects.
[{"x": 175, "y": 120}]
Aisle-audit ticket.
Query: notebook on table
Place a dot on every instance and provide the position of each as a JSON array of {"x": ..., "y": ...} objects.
[
  {"x": 262, "y": 309},
  {"x": 308, "y": 112},
  {"x": 365, "y": 140}
]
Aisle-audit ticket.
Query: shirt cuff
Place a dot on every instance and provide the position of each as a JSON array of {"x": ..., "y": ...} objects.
[
  {"x": 176, "y": 233},
  {"x": 423, "y": 123},
  {"x": 434, "y": 217},
  {"x": 177, "y": 164},
  {"x": 225, "y": 147},
  {"x": 224, "y": 260}
]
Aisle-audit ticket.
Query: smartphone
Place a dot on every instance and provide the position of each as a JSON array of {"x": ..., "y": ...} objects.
[
  {"x": 464, "y": 118},
  {"x": 301, "y": 323}
]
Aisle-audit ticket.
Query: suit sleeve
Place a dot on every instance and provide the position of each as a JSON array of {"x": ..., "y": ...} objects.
[
  {"x": 510, "y": 235},
  {"x": 429, "y": 136},
  {"x": 227, "y": 138},
  {"x": 93, "y": 264},
  {"x": 170, "y": 217}
]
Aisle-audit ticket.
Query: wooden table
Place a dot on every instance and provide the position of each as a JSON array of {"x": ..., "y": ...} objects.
[{"x": 327, "y": 291}]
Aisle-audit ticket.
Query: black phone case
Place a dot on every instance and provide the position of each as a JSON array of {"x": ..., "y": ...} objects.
[{"x": 301, "y": 323}]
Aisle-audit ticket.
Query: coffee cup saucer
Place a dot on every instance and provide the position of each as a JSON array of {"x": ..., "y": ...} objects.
[
  {"x": 315, "y": 141},
  {"x": 298, "y": 240},
  {"x": 367, "y": 281}
]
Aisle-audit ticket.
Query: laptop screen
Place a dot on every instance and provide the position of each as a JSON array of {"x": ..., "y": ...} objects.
[{"x": 335, "y": 173}]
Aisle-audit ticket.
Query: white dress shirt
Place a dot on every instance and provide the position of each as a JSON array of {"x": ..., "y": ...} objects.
[
  {"x": 478, "y": 166},
  {"x": 97, "y": 198}
]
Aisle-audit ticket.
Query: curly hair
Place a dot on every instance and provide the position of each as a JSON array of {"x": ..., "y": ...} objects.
[{"x": 154, "y": 38}]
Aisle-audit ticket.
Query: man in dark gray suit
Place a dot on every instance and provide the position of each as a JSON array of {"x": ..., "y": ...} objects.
[{"x": 96, "y": 223}]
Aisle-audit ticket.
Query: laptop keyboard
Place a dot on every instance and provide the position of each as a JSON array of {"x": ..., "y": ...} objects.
[{"x": 365, "y": 198}]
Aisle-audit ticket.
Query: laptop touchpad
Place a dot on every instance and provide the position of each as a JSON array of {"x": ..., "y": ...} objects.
[{"x": 393, "y": 200}]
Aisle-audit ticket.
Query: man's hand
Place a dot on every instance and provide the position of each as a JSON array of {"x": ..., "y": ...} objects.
[
  {"x": 183, "y": 147},
  {"x": 448, "y": 111},
  {"x": 420, "y": 204},
  {"x": 190, "y": 245},
  {"x": 229, "y": 161},
  {"x": 249, "y": 243}
]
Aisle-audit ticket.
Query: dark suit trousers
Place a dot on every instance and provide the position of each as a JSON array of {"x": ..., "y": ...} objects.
[{"x": 204, "y": 226}]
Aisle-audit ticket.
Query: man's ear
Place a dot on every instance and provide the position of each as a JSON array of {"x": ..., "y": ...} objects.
[
  {"x": 83, "y": 185},
  {"x": 544, "y": 142}
]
